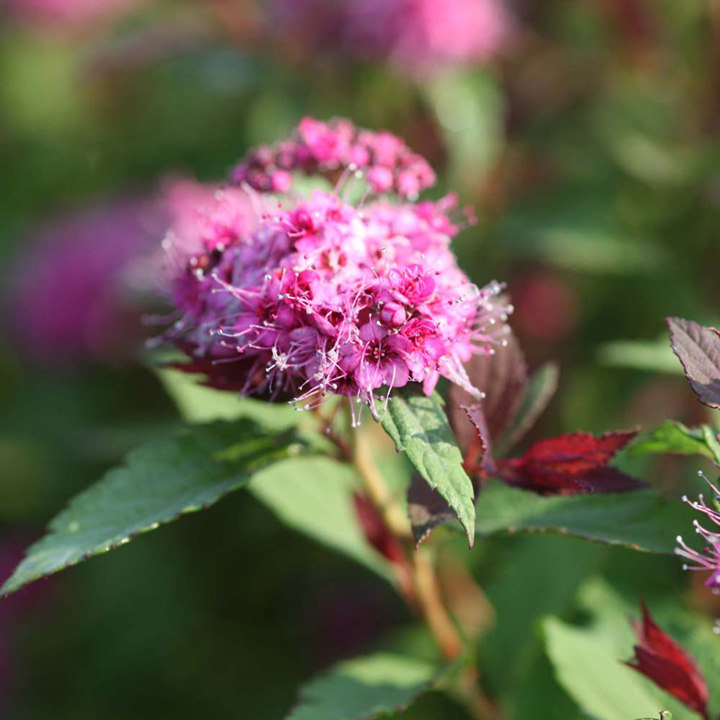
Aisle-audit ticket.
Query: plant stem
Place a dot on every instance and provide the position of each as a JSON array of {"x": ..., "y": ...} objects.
[
  {"x": 380, "y": 494},
  {"x": 433, "y": 608},
  {"x": 425, "y": 591},
  {"x": 425, "y": 580}
]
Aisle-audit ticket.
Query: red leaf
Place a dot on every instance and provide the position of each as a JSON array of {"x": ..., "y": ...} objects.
[
  {"x": 479, "y": 454},
  {"x": 661, "y": 659},
  {"x": 571, "y": 464},
  {"x": 501, "y": 377},
  {"x": 698, "y": 349}
]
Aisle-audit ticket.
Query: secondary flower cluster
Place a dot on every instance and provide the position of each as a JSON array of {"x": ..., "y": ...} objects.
[
  {"x": 76, "y": 292},
  {"x": 709, "y": 557},
  {"x": 385, "y": 161},
  {"x": 414, "y": 35},
  {"x": 314, "y": 296},
  {"x": 67, "y": 14}
]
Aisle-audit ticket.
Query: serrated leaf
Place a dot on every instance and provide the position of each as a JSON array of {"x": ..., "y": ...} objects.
[
  {"x": 571, "y": 464},
  {"x": 314, "y": 495},
  {"x": 698, "y": 349},
  {"x": 159, "y": 482},
  {"x": 419, "y": 427},
  {"x": 641, "y": 520},
  {"x": 364, "y": 688},
  {"x": 540, "y": 388},
  {"x": 672, "y": 437}
]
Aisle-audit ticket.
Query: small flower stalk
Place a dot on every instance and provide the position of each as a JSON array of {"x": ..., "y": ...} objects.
[{"x": 296, "y": 298}]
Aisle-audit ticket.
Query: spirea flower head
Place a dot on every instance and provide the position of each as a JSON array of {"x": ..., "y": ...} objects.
[
  {"x": 708, "y": 558},
  {"x": 311, "y": 296}
]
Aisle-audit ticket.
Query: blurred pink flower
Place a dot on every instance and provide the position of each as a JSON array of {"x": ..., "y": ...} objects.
[
  {"x": 414, "y": 35},
  {"x": 72, "y": 299},
  {"x": 546, "y": 307},
  {"x": 424, "y": 34},
  {"x": 67, "y": 13}
]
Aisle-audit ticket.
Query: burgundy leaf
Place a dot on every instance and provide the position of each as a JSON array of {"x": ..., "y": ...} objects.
[
  {"x": 427, "y": 509},
  {"x": 501, "y": 377},
  {"x": 698, "y": 349},
  {"x": 479, "y": 454},
  {"x": 571, "y": 464},
  {"x": 660, "y": 658}
]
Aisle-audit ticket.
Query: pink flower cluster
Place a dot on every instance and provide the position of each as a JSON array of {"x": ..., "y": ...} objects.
[
  {"x": 316, "y": 296},
  {"x": 383, "y": 159},
  {"x": 709, "y": 558},
  {"x": 414, "y": 35}
]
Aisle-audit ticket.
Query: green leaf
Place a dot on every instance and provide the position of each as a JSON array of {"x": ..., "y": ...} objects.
[
  {"x": 419, "y": 427},
  {"x": 199, "y": 404},
  {"x": 364, "y": 688},
  {"x": 540, "y": 388},
  {"x": 589, "y": 660},
  {"x": 158, "y": 482},
  {"x": 641, "y": 519},
  {"x": 314, "y": 495},
  {"x": 640, "y": 355},
  {"x": 674, "y": 438},
  {"x": 470, "y": 112},
  {"x": 590, "y": 668}
]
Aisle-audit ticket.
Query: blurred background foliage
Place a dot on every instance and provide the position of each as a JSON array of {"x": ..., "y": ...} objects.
[{"x": 589, "y": 151}]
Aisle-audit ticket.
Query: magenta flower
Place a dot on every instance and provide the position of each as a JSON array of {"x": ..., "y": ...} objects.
[
  {"x": 75, "y": 296},
  {"x": 64, "y": 14},
  {"x": 427, "y": 34},
  {"x": 708, "y": 559},
  {"x": 334, "y": 148},
  {"x": 311, "y": 296},
  {"x": 416, "y": 36}
]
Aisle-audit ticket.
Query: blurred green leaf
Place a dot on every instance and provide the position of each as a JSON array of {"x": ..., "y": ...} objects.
[
  {"x": 640, "y": 355},
  {"x": 674, "y": 438},
  {"x": 469, "y": 109},
  {"x": 197, "y": 403},
  {"x": 576, "y": 234},
  {"x": 641, "y": 520},
  {"x": 554, "y": 567},
  {"x": 314, "y": 495},
  {"x": 159, "y": 482},
  {"x": 588, "y": 661},
  {"x": 365, "y": 688},
  {"x": 419, "y": 427}
]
